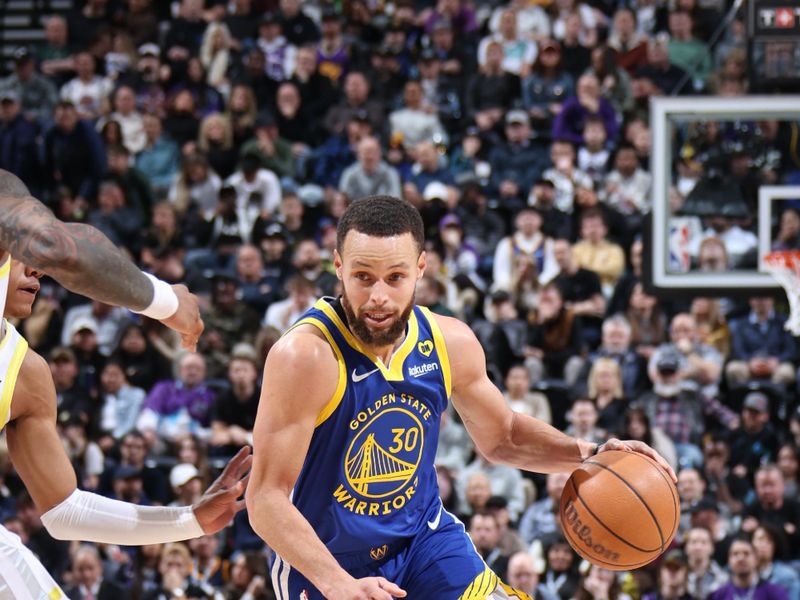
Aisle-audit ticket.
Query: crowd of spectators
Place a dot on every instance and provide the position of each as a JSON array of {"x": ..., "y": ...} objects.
[{"x": 218, "y": 143}]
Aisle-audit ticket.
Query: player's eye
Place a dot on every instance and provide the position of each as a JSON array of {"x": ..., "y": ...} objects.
[{"x": 362, "y": 276}]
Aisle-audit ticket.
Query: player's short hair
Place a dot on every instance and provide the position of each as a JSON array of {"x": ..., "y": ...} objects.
[{"x": 381, "y": 216}]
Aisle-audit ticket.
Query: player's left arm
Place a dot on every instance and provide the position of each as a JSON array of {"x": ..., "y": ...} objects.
[
  {"x": 505, "y": 436},
  {"x": 38, "y": 455}
]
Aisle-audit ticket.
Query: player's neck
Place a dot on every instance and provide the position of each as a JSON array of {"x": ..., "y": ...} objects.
[{"x": 385, "y": 352}]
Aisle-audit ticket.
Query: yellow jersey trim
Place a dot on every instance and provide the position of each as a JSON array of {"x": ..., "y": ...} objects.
[
  {"x": 336, "y": 399},
  {"x": 441, "y": 348},
  {"x": 392, "y": 372},
  {"x": 486, "y": 583},
  {"x": 10, "y": 381},
  {"x": 6, "y": 266},
  {"x": 4, "y": 330}
]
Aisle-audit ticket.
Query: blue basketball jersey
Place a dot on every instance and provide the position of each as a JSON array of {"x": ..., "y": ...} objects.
[{"x": 368, "y": 482}]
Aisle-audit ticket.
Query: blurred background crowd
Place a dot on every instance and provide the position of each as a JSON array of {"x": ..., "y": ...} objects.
[{"x": 218, "y": 143}]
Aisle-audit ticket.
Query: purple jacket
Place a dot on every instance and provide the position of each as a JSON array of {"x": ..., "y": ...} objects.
[
  {"x": 763, "y": 591},
  {"x": 569, "y": 123},
  {"x": 168, "y": 397}
]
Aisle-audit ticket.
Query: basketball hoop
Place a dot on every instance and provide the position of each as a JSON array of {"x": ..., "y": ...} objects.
[{"x": 784, "y": 266}]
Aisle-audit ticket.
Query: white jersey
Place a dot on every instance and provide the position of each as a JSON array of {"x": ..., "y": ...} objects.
[{"x": 5, "y": 269}]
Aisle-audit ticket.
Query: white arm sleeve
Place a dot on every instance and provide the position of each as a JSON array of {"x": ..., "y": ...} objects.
[{"x": 86, "y": 516}]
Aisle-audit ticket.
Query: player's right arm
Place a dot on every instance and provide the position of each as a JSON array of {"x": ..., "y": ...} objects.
[
  {"x": 85, "y": 261},
  {"x": 300, "y": 378}
]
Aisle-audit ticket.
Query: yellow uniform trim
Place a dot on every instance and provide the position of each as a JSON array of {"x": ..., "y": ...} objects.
[
  {"x": 10, "y": 381},
  {"x": 4, "y": 330},
  {"x": 336, "y": 399},
  {"x": 5, "y": 267},
  {"x": 55, "y": 593},
  {"x": 486, "y": 583},
  {"x": 394, "y": 372},
  {"x": 441, "y": 349}
]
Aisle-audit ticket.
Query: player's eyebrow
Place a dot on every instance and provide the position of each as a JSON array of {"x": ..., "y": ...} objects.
[{"x": 361, "y": 263}]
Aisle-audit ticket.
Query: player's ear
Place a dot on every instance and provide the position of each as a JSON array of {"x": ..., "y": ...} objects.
[
  {"x": 421, "y": 264},
  {"x": 337, "y": 263}
]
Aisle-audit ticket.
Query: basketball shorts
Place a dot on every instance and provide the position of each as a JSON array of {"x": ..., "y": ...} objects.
[
  {"x": 22, "y": 576},
  {"x": 439, "y": 563}
]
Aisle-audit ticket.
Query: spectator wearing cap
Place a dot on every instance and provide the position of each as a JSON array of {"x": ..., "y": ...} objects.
[
  {"x": 37, "y": 94},
  {"x": 339, "y": 151},
  {"x": 555, "y": 223},
  {"x": 459, "y": 258},
  {"x": 179, "y": 406},
  {"x": 770, "y": 507},
  {"x": 298, "y": 27},
  {"x": 278, "y": 52},
  {"x": 526, "y": 250},
  {"x": 186, "y": 483},
  {"x": 148, "y": 79},
  {"x": 588, "y": 101},
  {"x": 517, "y": 162},
  {"x": 672, "y": 578},
  {"x": 185, "y": 32},
  {"x": 227, "y": 321},
  {"x": 356, "y": 98},
  {"x": 386, "y": 75},
  {"x": 370, "y": 175},
  {"x": 705, "y": 575},
  {"x": 414, "y": 123},
  {"x": 233, "y": 414},
  {"x": 88, "y": 91},
  {"x": 274, "y": 241},
  {"x": 428, "y": 169},
  {"x": 302, "y": 295},
  {"x": 242, "y": 22},
  {"x": 745, "y": 581},
  {"x": 273, "y": 152},
  {"x": 127, "y": 485},
  {"x": 121, "y": 402},
  {"x": 72, "y": 396},
  {"x": 519, "y": 52},
  {"x": 546, "y": 87},
  {"x": 317, "y": 92},
  {"x": 19, "y": 153},
  {"x": 491, "y": 91},
  {"x": 159, "y": 160},
  {"x": 760, "y": 346}
]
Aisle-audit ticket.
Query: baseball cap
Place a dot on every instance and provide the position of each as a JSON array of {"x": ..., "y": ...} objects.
[
  {"x": 435, "y": 190},
  {"x": 62, "y": 353},
  {"x": 9, "y": 94},
  {"x": 668, "y": 360},
  {"x": 756, "y": 401},
  {"x": 270, "y": 17},
  {"x": 517, "y": 116},
  {"x": 274, "y": 229},
  {"x": 428, "y": 54},
  {"x": 182, "y": 474},
  {"x": 82, "y": 323},
  {"x": 442, "y": 23},
  {"x": 126, "y": 472},
  {"x": 705, "y": 503},
  {"x": 674, "y": 558},
  {"x": 22, "y": 54},
  {"x": 149, "y": 49},
  {"x": 449, "y": 220},
  {"x": 245, "y": 351}
]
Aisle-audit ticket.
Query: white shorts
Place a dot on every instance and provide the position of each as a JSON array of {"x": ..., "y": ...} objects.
[{"x": 22, "y": 576}]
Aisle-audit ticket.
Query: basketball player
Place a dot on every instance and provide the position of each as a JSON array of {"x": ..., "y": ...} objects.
[
  {"x": 343, "y": 485},
  {"x": 28, "y": 407}
]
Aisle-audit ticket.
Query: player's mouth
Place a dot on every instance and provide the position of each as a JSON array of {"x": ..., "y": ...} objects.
[
  {"x": 378, "y": 319},
  {"x": 32, "y": 289}
]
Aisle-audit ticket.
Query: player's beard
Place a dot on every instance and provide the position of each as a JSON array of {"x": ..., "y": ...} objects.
[{"x": 383, "y": 337}]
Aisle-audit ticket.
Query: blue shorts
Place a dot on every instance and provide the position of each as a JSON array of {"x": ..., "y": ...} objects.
[{"x": 439, "y": 563}]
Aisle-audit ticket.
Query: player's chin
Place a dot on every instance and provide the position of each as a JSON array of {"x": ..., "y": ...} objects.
[{"x": 20, "y": 309}]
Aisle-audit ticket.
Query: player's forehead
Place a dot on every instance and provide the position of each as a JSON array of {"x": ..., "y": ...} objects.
[{"x": 362, "y": 249}]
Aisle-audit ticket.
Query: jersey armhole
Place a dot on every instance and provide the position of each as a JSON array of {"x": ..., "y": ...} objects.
[
  {"x": 441, "y": 349},
  {"x": 10, "y": 381},
  {"x": 336, "y": 399}
]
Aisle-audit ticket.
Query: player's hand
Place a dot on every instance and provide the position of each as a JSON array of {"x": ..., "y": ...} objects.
[
  {"x": 642, "y": 448},
  {"x": 223, "y": 499},
  {"x": 186, "y": 319},
  {"x": 368, "y": 588}
]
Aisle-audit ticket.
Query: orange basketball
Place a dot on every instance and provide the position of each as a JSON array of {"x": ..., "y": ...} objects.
[{"x": 619, "y": 510}]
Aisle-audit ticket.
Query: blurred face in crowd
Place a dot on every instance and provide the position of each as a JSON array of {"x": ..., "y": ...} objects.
[
  {"x": 369, "y": 154},
  {"x": 690, "y": 485},
  {"x": 683, "y": 328},
  {"x": 412, "y": 95},
  {"x": 427, "y": 156},
  {"x": 583, "y": 415},
  {"x": 64, "y": 371},
  {"x": 588, "y": 86},
  {"x": 177, "y": 561},
  {"x": 133, "y": 341},
  {"x": 55, "y": 31},
  {"x": 133, "y": 450},
  {"x": 517, "y": 133},
  {"x": 518, "y": 381},
  {"x": 427, "y": 293},
  {"x": 624, "y": 24},
  {"x": 699, "y": 546},
  {"x": 593, "y": 230},
  {"x": 787, "y": 462},
  {"x": 529, "y": 222},
  {"x": 112, "y": 378},
  {"x": 484, "y": 532},
  {"x": 241, "y": 575},
  {"x": 508, "y": 25},
  {"x": 680, "y": 25},
  {"x": 86, "y": 567},
  {"x": 559, "y": 557},
  {"x": 66, "y": 118},
  {"x": 356, "y": 89},
  {"x": 290, "y": 8},
  {"x": 125, "y": 100},
  {"x": 192, "y": 370},
  {"x": 763, "y": 546},
  {"x": 712, "y": 257},
  {"x": 555, "y": 485},
  {"x": 641, "y": 300},
  {"x": 288, "y": 100},
  {"x": 626, "y": 162},
  {"x": 742, "y": 559},
  {"x": 616, "y": 337},
  {"x": 769, "y": 488},
  {"x": 249, "y": 264},
  {"x": 242, "y": 373},
  {"x": 550, "y": 303},
  {"x": 478, "y": 490},
  {"x": 128, "y": 489},
  {"x": 84, "y": 66},
  {"x": 522, "y": 574},
  {"x": 606, "y": 376},
  {"x": 9, "y": 109}
]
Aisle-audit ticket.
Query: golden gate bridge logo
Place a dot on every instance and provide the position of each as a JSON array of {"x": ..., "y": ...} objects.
[{"x": 384, "y": 455}]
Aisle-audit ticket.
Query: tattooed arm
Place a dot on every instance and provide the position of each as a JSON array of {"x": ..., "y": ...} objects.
[{"x": 84, "y": 261}]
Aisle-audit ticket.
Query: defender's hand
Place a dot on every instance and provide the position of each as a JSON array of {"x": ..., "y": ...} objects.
[
  {"x": 186, "y": 319},
  {"x": 221, "y": 501}
]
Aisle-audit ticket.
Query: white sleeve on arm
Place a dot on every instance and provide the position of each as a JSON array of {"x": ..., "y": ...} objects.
[{"x": 94, "y": 518}]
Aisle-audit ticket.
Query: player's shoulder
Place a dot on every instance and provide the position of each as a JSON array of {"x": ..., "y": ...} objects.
[
  {"x": 34, "y": 391},
  {"x": 303, "y": 346}
]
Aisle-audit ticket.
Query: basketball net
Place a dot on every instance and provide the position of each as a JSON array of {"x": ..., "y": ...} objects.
[{"x": 784, "y": 266}]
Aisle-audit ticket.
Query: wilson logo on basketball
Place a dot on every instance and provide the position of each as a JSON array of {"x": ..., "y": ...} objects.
[{"x": 584, "y": 533}]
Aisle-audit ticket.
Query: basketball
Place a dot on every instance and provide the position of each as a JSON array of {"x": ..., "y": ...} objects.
[{"x": 619, "y": 510}]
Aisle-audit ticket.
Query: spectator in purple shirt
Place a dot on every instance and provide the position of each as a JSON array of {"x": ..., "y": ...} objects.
[
  {"x": 588, "y": 101},
  {"x": 179, "y": 406},
  {"x": 745, "y": 582}
]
